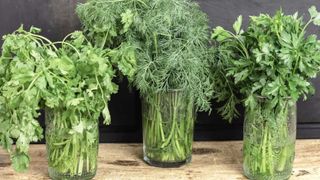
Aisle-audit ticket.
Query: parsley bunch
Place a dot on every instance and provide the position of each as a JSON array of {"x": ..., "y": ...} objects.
[
  {"x": 74, "y": 77},
  {"x": 267, "y": 68},
  {"x": 273, "y": 59}
]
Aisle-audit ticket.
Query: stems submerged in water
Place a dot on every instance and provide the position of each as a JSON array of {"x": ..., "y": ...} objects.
[
  {"x": 269, "y": 141},
  {"x": 168, "y": 120},
  {"x": 72, "y": 145}
]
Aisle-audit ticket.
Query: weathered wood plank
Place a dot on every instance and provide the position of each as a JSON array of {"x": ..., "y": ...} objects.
[{"x": 211, "y": 160}]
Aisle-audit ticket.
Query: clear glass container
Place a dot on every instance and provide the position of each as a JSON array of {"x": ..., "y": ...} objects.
[
  {"x": 269, "y": 140},
  {"x": 168, "y": 122},
  {"x": 72, "y": 141}
]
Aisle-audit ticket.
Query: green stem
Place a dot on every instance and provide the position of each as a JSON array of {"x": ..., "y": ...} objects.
[
  {"x": 263, "y": 150},
  {"x": 173, "y": 124},
  {"x": 169, "y": 140},
  {"x": 69, "y": 154},
  {"x": 104, "y": 40},
  {"x": 45, "y": 39},
  {"x": 270, "y": 154},
  {"x": 68, "y": 44},
  {"x": 283, "y": 159}
]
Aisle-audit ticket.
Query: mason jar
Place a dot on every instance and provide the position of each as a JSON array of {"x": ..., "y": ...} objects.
[
  {"x": 72, "y": 142},
  {"x": 168, "y": 123},
  {"x": 269, "y": 139}
]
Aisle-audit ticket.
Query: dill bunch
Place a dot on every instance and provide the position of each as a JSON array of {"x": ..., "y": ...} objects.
[
  {"x": 158, "y": 44},
  {"x": 172, "y": 51}
]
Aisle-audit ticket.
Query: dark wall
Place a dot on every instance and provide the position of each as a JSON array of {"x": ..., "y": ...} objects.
[{"x": 57, "y": 18}]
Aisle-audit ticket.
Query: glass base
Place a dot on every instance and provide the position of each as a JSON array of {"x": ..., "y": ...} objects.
[
  {"x": 53, "y": 174},
  {"x": 166, "y": 164},
  {"x": 277, "y": 176}
]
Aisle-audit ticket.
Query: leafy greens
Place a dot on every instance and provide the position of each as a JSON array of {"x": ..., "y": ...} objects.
[
  {"x": 267, "y": 68},
  {"x": 273, "y": 59},
  {"x": 167, "y": 40},
  {"x": 35, "y": 73},
  {"x": 108, "y": 25}
]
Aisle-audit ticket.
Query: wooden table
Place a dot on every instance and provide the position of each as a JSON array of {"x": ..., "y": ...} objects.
[{"x": 211, "y": 160}]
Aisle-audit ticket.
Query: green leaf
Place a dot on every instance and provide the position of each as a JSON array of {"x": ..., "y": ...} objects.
[
  {"x": 106, "y": 115},
  {"x": 220, "y": 34},
  {"x": 49, "y": 79},
  {"x": 63, "y": 64},
  {"x": 91, "y": 137},
  {"x": 79, "y": 128},
  {"x": 41, "y": 83},
  {"x": 78, "y": 38},
  {"x": 24, "y": 140},
  {"x": 315, "y": 15},
  {"x": 35, "y": 30},
  {"x": 237, "y": 25},
  {"x": 15, "y": 133},
  {"x": 6, "y": 142},
  {"x": 127, "y": 20},
  {"x": 241, "y": 76},
  {"x": 317, "y": 21},
  {"x": 51, "y": 53},
  {"x": 74, "y": 102},
  {"x": 258, "y": 55},
  {"x": 4, "y": 127},
  {"x": 20, "y": 162},
  {"x": 313, "y": 11},
  {"x": 271, "y": 89},
  {"x": 250, "y": 102}
]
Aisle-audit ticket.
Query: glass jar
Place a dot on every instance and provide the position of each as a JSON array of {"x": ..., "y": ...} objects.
[
  {"x": 269, "y": 140},
  {"x": 168, "y": 122},
  {"x": 72, "y": 142}
]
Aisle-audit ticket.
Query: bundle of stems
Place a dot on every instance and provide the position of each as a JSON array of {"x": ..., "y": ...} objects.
[
  {"x": 269, "y": 140},
  {"x": 168, "y": 120},
  {"x": 72, "y": 149}
]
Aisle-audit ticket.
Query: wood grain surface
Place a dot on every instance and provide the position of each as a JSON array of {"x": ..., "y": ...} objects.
[
  {"x": 57, "y": 18},
  {"x": 211, "y": 160}
]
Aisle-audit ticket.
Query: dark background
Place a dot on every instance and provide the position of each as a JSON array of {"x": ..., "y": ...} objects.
[{"x": 57, "y": 18}]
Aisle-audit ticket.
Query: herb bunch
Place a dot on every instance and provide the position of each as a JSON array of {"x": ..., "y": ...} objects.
[
  {"x": 164, "y": 45},
  {"x": 173, "y": 78},
  {"x": 83, "y": 89},
  {"x": 173, "y": 49},
  {"x": 21, "y": 66},
  {"x": 267, "y": 68},
  {"x": 168, "y": 41},
  {"x": 273, "y": 59},
  {"x": 109, "y": 24},
  {"x": 36, "y": 74}
]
